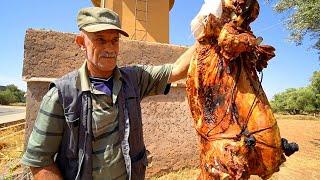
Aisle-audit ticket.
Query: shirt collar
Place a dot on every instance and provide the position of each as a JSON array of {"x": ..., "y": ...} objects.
[{"x": 84, "y": 84}]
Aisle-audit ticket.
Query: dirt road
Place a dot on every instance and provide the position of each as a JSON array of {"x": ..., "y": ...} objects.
[
  {"x": 304, "y": 164},
  {"x": 10, "y": 114}
]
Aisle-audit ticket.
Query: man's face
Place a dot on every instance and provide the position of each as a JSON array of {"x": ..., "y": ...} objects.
[{"x": 101, "y": 49}]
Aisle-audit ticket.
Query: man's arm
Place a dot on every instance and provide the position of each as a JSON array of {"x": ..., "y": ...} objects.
[
  {"x": 45, "y": 138},
  {"x": 50, "y": 172},
  {"x": 153, "y": 80},
  {"x": 181, "y": 66}
]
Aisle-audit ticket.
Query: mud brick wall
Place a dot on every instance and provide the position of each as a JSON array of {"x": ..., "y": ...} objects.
[{"x": 167, "y": 122}]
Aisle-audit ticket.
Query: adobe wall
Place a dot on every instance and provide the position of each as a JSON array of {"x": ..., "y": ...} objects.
[{"x": 167, "y": 122}]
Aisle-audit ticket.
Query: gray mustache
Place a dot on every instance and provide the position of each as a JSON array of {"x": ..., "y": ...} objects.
[{"x": 108, "y": 55}]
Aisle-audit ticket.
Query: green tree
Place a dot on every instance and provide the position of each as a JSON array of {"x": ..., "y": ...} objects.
[
  {"x": 286, "y": 101},
  {"x": 291, "y": 103},
  {"x": 295, "y": 101},
  {"x": 299, "y": 100},
  {"x": 7, "y": 97},
  {"x": 303, "y": 19},
  {"x": 315, "y": 82},
  {"x": 306, "y": 99},
  {"x": 17, "y": 92},
  {"x": 11, "y": 94},
  {"x": 315, "y": 86}
]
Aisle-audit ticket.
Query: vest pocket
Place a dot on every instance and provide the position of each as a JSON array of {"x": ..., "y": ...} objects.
[{"x": 72, "y": 118}]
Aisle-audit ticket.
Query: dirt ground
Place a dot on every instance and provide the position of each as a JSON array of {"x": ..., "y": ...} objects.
[{"x": 304, "y": 164}]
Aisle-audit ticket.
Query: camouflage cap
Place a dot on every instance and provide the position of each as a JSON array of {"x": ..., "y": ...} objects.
[{"x": 95, "y": 19}]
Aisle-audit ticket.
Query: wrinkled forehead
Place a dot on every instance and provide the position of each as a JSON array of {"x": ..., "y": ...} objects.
[{"x": 107, "y": 34}]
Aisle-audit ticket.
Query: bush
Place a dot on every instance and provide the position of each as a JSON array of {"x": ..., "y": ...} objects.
[
  {"x": 7, "y": 97},
  {"x": 11, "y": 94},
  {"x": 299, "y": 100}
]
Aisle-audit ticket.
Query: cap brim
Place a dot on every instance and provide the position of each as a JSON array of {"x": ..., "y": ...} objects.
[{"x": 102, "y": 27}]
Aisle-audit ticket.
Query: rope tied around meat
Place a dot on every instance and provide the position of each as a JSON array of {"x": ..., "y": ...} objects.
[
  {"x": 239, "y": 135},
  {"x": 249, "y": 138}
]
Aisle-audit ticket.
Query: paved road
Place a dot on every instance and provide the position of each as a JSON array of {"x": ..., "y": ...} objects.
[
  {"x": 7, "y": 110},
  {"x": 11, "y": 113}
]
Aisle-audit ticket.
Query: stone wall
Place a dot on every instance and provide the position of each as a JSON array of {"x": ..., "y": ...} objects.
[{"x": 167, "y": 122}]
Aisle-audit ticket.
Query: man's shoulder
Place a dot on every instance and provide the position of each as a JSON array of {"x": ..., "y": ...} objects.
[
  {"x": 51, "y": 96},
  {"x": 66, "y": 80},
  {"x": 129, "y": 70},
  {"x": 69, "y": 76},
  {"x": 132, "y": 67},
  {"x": 137, "y": 68}
]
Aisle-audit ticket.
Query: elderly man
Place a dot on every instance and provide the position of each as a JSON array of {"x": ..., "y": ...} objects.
[{"x": 89, "y": 123}]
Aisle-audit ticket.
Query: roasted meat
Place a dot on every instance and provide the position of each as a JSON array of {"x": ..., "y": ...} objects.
[{"x": 238, "y": 132}]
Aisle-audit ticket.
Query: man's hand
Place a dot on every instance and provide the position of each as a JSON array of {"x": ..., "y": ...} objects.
[
  {"x": 50, "y": 172},
  {"x": 181, "y": 66}
]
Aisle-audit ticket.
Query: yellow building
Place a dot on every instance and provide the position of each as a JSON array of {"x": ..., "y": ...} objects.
[{"x": 144, "y": 20}]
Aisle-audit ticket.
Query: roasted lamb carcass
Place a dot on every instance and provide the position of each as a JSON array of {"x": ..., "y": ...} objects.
[{"x": 238, "y": 133}]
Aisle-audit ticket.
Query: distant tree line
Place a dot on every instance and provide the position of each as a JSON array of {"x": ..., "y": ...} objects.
[
  {"x": 11, "y": 94},
  {"x": 305, "y": 100}
]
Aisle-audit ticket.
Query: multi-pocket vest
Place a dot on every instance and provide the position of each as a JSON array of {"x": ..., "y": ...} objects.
[{"x": 74, "y": 158}]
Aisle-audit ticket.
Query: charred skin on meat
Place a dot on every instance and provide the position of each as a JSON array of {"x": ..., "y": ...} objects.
[{"x": 238, "y": 132}]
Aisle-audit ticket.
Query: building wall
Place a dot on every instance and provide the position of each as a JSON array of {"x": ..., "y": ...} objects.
[
  {"x": 157, "y": 25},
  {"x": 167, "y": 122}
]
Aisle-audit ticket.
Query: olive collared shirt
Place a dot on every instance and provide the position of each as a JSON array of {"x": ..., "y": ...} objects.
[{"x": 108, "y": 161}]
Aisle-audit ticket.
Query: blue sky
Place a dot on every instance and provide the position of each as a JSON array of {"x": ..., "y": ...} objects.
[{"x": 291, "y": 68}]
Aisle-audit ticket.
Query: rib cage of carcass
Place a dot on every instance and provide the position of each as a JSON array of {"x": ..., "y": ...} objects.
[{"x": 238, "y": 132}]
